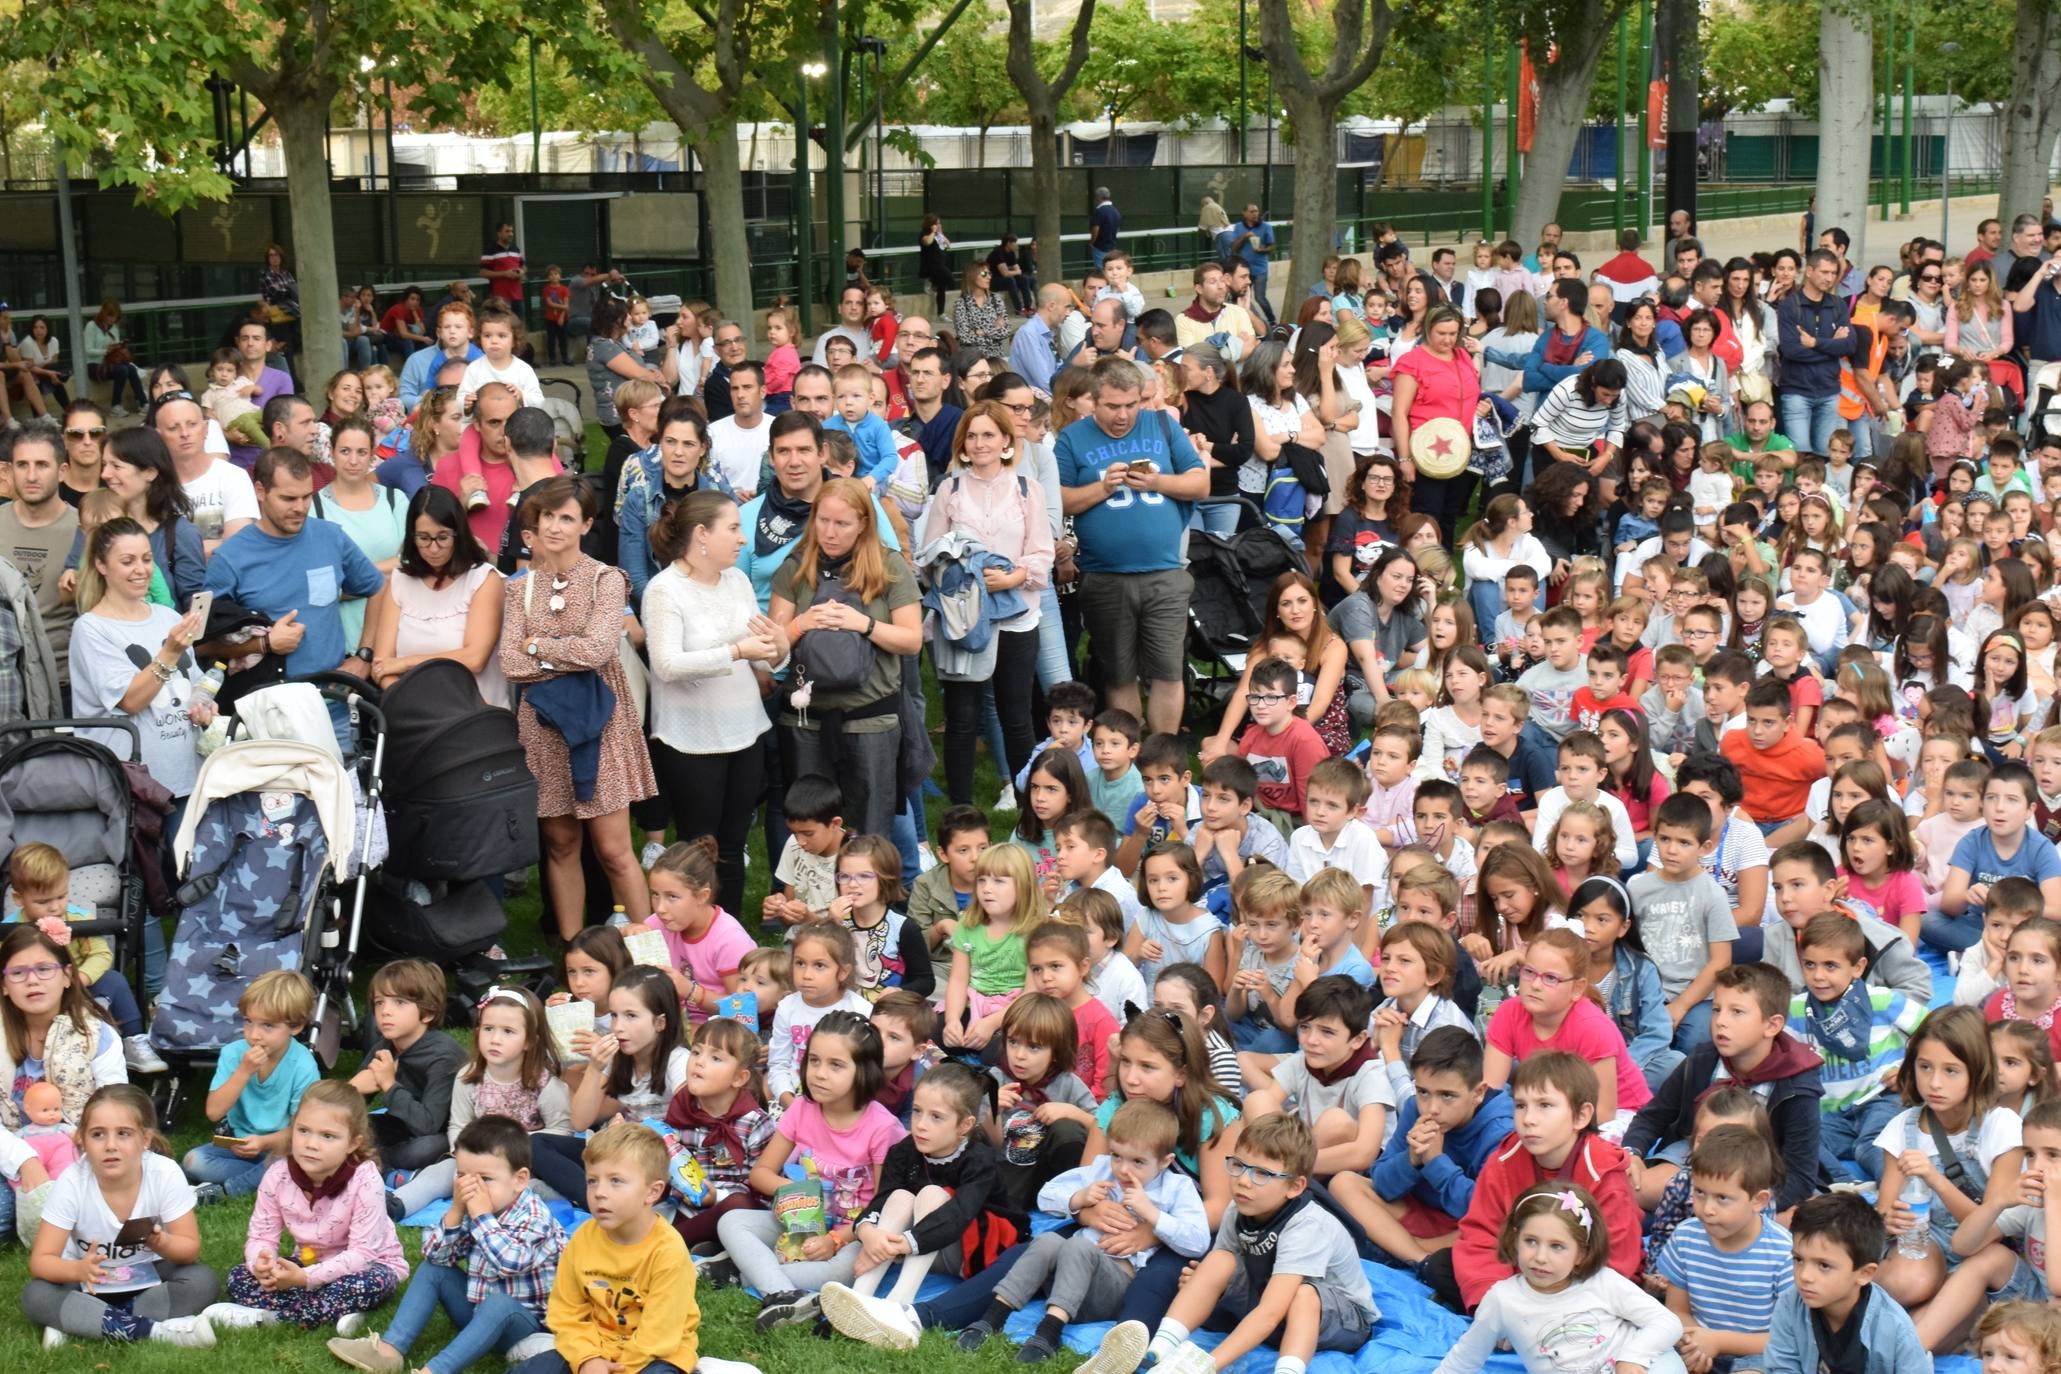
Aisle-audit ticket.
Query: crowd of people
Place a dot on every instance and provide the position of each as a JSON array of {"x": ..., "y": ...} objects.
[{"x": 1617, "y": 892}]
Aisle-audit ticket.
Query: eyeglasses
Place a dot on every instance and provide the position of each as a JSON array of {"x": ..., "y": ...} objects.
[
  {"x": 38, "y": 973},
  {"x": 1024, "y": 409},
  {"x": 1548, "y": 981},
  {"x": 1697, "y": 634},
  {"x": 853, "y": 879},
  {"x": 97, "y": 432},
  {"x": 1265, "y": 698},
  {"x": 1380, "y": 479},
  {"x": 1239, "y": 1171},
  {"x": 435, "y": 541}
]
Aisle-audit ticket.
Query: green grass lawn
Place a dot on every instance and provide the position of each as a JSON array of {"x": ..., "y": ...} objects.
[{"x": 727, "y": 1331}]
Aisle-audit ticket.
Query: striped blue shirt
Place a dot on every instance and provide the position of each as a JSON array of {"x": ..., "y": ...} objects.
[{"x": 1729, "y": 1290}]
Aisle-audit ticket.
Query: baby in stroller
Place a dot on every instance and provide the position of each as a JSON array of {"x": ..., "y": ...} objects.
[{"x": 39, "y": 882}]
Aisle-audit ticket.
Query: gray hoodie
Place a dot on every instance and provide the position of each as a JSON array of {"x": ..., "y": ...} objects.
[{"x": 1892, "y": 963}]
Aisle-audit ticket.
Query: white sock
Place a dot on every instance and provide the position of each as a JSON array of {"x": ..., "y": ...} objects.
[
  {"x": 915, "y": 1268},
  {"x": 1170, "y": 1335},
  {"x": 1288, "y": 1364}
]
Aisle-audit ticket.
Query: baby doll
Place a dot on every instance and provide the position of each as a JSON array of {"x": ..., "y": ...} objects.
[{"x": 45, "y": 1131}]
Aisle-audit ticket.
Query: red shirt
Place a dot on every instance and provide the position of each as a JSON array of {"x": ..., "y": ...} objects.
[
  {"x": 1588, "y": 712},
  {"x": 507, "y": 259},
  {"x": 1283, "y": 761},
  {"x": 1094, "y": 1024},
  {"x": 489, "y": 520},
  {"x": 1777, "y": 780}
]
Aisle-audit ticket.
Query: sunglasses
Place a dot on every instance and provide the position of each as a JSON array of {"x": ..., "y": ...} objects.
[{"x": 97, "y": 432}]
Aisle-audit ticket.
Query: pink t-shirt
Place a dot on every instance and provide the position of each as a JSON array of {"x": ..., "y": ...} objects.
[
  {"x": 1898, "y": 894},
  {"x": 1588, "y": 1032},
  {"x": 711, "y": 958},
  {"x": 848, "y": 1161},
  {"x": 1449, "y": 387}
]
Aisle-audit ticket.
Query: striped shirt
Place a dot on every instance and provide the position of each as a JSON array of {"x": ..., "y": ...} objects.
[
  {"x": 1729, "y": 1290},
  {"x": 1433, "y": 1013},
  {"x": 1849, "y": 1083},
  {"x": 1566, "y": 419}
]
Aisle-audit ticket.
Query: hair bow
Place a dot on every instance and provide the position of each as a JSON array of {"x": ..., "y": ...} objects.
[{"x": 55, "y": 929}]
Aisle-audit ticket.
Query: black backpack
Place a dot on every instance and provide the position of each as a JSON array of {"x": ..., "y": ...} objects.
[{"x": 834, "y": 660}]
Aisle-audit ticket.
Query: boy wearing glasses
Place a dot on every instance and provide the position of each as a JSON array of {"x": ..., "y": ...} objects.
[
  {"x": 1282, "y": 1272},
  {"x": 1281, "y": 746}
]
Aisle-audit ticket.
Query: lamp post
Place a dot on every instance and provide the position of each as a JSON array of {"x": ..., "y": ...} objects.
[
  {"x": 805, "y": 240},
  {"x": 1946, "y": 144}
]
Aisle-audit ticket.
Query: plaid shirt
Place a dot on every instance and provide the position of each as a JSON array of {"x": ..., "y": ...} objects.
[
  {"x": 515, "y": 1252},
  {"x": 14, "y": 704}
]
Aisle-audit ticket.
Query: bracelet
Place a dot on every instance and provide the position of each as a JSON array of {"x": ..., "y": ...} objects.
[{"x": 161, "y": 671}]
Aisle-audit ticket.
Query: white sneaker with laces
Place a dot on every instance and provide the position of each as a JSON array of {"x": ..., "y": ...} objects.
[
  {"x": 236, "y": 1316},
  {"x": 1006, "y": 800},
  {"x": 873, "y": 1320},
  {"x": 1121, "y": 1350},
  {"x": 141, "y": 1056},
  {"x": 532, "y": 1345},
  {"x": 649, "y": 855},
  {"x": 192, "y": 1332},
  {"x": 53, "y": 1338}
]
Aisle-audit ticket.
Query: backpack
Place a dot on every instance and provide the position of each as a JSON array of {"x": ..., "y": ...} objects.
[{"x": 834, "y": 660}]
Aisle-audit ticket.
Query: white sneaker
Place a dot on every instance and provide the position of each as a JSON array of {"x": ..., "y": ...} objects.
[
  {"x": 873, "y": 1320},
  {"x": 1007, "y": 800},
  {"x": 141, "y": 1056},
  {"x": 192, "y": 1332},
  {"x": 1190, "y": 1358},
  {"x": 533, "y": 1345},
  {"x": 236, "y": 1316},
  {"x": 119, "y": 412},
  {"x": 706, "y": 1366},
  {"x": 53, "y": 1338},
  {"x": 1121, "y": 1350},
  {"x": 650, "y": 854},
  {"x": 350, "y": 1324}
]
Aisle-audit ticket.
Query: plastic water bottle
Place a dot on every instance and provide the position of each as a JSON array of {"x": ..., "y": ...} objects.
[
  {"x": 211, "y": 685},
  {"x": 1916, "y": 1243},
  {"x": 619, "y": 917}
]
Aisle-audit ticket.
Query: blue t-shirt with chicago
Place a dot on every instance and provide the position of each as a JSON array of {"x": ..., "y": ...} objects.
[{"x": 1132, "y": 531}]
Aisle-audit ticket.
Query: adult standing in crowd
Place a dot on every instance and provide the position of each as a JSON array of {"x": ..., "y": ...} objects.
[
  {"x": 672, "y": 469},
  {"x": 1217, "y": 414},
  {"x": 851, "y": 324},
  {"x": 1252, "y": 241},
  {"x": 1105, "y": 221},
  {"x": 219, "y": 493},
  {"x": 375, "y": 517},
  {"x": 1383, "y": 627},
  {"x": 989, "y": 496},
  {"x": 933, "y": 262},
  {"x": 138, "y": 471},
  {"x": 844, "y": 579},
  {"x": 85, "y": 428},
  {"x": 2038, "y": 323},
  {"x": 737, "y": 442},
  {"x": 502, "y": 265},
  {"x": 435, "y": 435},
  {"x": 1814, "y": 334},
  {"x": 1127, "y": 482},
  {"x": 932, "y": 421},
  {"x": 1034, "y": 353},
  {"x": 979, "y": 317},
  {"x": 112, "y": 362},
  {"x": 610, "y": 362},
  {"x": 1438, "y": 380},
  {"x": 37, "y": 529},
  {"x": 731, "y": 347},
  {"x": 712, "y": 649},
  {"x": 444, "y": 600},
  {"x": 254, "y": 350},
  {"x": 561, "y": 649},
  {"x": 480, "y": 474}
]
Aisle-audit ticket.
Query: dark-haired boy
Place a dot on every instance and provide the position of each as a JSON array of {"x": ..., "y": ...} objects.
[
  {"x": 1858, "y": 1031},
  {"x": 1581, "y": 772},
  {"x": 941, "y": 894},
  {"x": 1739, "y": 858},
  {"x": 2004, "y": 846},
  {"x": 1392, "y": 753},
  {"x": 1552, "y": 685},
  {"x": 1282, "y": 1271},
  {"x": 1484, "y": 790},
  {"x": 1726, "y": 1266},
  {"x": 498, "y": 1230},
  {"x": 412, "y": 1063},
  {"x": 1684, "y": 921},
  {"x": 1281, "y": 746},
  {"x": 1776, "y": 764},
  {"x": 1805, "y": 884},
  {"x": 1529, "y": 752},
  {"x": 1604, "y": 690},
  {"x": 1164, "y": 806},
  {"x": 806, "y": 872},
  {"x": 1084, "y": 840},
  {"x": 1424, "y": 1180},
  {"x": 1069, "y": 706},
  {"x": 1725, "y": 680},
  {"x": 1436, "y": 822},
  {"x": 1835, "y": 1320},
  {"x": 1514, "y": 623},
  {"x": 2012, "y": 902},
  {"x": 1673, "y": 707},
  {"x": 1230, "y": 835},
  {"x": 1113, "y": 783},
  {"x": 1750, "y": 1041},
  {"x": 1335, "y": 1082}
]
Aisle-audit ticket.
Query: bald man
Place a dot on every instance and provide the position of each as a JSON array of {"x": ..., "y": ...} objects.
[{"x": 1034, "y": 355}]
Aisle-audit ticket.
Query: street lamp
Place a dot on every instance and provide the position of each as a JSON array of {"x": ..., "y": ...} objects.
[{"x": 1946, "y": 147}]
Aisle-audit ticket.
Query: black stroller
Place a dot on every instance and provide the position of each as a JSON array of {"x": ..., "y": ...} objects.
[{"x": 1227, "y": 610}]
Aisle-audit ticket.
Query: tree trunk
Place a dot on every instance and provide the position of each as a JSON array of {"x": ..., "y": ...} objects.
[
  {"x": 303, "y": 128},
  {"x": 1316, "y": 178},
  {"x": 1564, "y": 85},
  {"x": 980, "y": 150},
  {"x": 2033, "y": 113},
  {"x": 1044, "y": 137},
  {"x": 1846, "y": 87},
  {"x": 727, "y": 248}
]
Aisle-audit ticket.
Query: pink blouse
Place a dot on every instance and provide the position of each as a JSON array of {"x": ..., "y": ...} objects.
[
  {"x": 1587, "y": 1031},
  {"x": 1446, "y": 387}
]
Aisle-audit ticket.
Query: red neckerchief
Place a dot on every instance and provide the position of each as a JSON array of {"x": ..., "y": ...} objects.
[
  {"x": 1561, "y": 350},
  {"x": 684, "y": 1113},
  {"x": 1358, "y": 1060},
  {"x": 896, "y": 1090},
  {"x": 333, "y": 1186},
  {"x": 1197, "y": 313}
]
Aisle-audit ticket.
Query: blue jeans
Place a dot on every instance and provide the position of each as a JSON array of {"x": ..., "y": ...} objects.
[
  {"x": 1950, "y": 934},
  {"x": 551, "y": 1362},
  {"x": 6, "y": 1211},
  {"x": 1146, "y": 1300},
  {"x": 1247, "y": 1035},
  {"x": 1851, "y": 1134},
  {"x": 1259, "y": 291},
  {"x": 359, "y": 352},
  {"x": 488, "y": 1329},
  {"x": 1052, "y": 669},
  {"x": 1220, "y": 518},
  {"x": 112, "y": 990},
  {"x": 1693, "y": 1029},
  {"x": 1808, "y": 421},
  {"x": 238, "y": 1176}
]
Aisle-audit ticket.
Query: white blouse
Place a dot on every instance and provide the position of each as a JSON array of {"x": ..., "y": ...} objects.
[
  {"x": 432, "y": 621},
  {"x": 702, "y": 700}
]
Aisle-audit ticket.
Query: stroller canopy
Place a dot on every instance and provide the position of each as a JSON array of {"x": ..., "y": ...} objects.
[
  {"x": 275, "y": 765},
  {"x": 454, "y": 743},
  {"x": 68, "y": 793}
]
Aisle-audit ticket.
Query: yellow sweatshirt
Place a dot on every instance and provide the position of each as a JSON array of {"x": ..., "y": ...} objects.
[{"x": 632, "y": 1304}]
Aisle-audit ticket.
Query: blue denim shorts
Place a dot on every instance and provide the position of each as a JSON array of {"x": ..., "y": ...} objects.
[{"x": 2026, "y": 1284}]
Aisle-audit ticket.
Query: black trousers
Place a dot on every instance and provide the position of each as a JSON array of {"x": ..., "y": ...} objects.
[
  {"x": 1016, "y": 669},
  {"x": 715, "y": 794}
]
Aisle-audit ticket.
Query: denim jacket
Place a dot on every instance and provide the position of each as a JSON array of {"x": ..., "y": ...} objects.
[
  {"x": 1639, "y": 1006},
  {"x": 637, "y": 508}
]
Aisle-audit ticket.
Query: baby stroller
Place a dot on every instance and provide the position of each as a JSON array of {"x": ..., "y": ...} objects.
[
  {"x": 1228, "y": 608},
  {"x": 277, "y": 827},
  {"x": 464, "y": 810},
  {"x": 71, "y": 793}
]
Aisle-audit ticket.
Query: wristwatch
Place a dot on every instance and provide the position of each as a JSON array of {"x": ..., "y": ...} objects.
[{"x": 362, "y": 654}]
